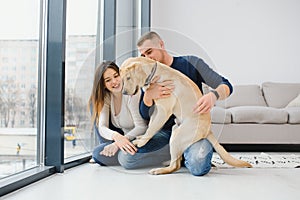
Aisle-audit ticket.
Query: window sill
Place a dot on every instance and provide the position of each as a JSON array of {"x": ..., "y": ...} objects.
[{"x": 19, "y": 180}]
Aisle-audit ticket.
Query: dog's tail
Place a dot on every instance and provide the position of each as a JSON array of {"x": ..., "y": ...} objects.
[{"x": 225, "y": 155}]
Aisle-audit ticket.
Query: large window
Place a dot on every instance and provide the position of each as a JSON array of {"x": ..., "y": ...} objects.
[
  {"x": 19, "y": 58},
  {"x": 49, "y": 50},
  {"x": 81, "y": 37},
  {"x": 96, "y": 30}
]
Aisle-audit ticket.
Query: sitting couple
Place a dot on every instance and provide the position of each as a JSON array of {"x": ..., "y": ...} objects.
[{"x": 120, "y": 118}]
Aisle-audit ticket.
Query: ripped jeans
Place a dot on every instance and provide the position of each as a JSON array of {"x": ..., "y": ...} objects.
[{"x": 197, "y": 157}]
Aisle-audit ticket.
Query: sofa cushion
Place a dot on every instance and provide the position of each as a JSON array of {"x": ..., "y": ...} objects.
[
  {"x": 258, "y": 114},
  {"x": 220, "y": 115},
  {"x": 243, "y": 95},
  {"x": 295, "y": 102},
  {"x": 294, "y": 115},
  {"x": 278, "y": 95}
]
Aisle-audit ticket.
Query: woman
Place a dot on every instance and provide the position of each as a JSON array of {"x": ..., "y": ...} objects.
[{"x": 109, "y": 105}]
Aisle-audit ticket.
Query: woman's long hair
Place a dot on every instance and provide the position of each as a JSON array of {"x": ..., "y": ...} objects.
[{"x": 99, "y": 92}]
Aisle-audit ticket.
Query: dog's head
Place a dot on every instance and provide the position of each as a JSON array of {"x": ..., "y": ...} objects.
[{"x": 134, "y": 72}]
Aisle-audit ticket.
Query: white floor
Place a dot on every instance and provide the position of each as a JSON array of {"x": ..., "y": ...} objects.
[{"x": 91, "y": 181}]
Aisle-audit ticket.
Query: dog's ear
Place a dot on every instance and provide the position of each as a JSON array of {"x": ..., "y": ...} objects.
[
  {"x": 129, "y": 68},
  {"x": 138, "y": 68},
  {"x": 135, "y": 66}
]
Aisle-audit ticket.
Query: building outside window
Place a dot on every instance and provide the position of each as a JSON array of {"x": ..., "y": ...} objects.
[
  {"x": 19, "y": 44},
  {"x": 23, "y": 74}
]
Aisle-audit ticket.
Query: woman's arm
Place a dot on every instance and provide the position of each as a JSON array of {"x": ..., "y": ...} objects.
[
  {"x": 121, "y": 141},
  {"x": 103, "y": 124},
  {"x": 140, "y": 125}
]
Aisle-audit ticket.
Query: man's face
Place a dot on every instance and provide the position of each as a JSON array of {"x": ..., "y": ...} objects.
[{"x": 152, "y": 49}]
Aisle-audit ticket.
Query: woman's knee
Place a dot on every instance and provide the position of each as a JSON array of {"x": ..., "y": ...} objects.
[
  {"x": 127, "y": 161},
  {"x": 100, "y": 159},
  {"x": 97, "y": 150}
]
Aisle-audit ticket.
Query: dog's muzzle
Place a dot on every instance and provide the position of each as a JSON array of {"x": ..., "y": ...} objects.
[{"x": 135, "y": 91}]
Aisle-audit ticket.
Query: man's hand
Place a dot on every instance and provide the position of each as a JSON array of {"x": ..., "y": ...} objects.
[
  {"x": 158, "y": 90},
  {"x": 124, "y": 144},
  {"x": 205, "y": 103}
]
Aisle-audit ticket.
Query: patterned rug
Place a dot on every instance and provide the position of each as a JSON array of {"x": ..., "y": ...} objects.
[{"x": 262, "y": 160}]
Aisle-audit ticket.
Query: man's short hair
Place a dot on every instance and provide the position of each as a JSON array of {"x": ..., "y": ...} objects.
[{"x": 148, "y": 36}]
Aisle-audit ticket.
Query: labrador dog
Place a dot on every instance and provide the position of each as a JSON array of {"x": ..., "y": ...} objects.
[{"x": 189, "y": 127}]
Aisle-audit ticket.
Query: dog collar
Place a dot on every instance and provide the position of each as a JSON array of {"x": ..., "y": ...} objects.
[{"x": 149, "y": 78}]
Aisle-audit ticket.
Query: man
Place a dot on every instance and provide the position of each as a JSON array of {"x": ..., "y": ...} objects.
[{"x": 197, "y": 157}]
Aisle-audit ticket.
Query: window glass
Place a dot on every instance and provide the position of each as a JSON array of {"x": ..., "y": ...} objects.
[
  {"x": 19, "y": 47},
  {"x": 82, "y": 18}
]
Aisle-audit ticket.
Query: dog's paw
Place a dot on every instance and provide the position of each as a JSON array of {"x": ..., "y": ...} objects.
[
  {"x": 158, "y": 171},
  {"x": 135, "y": 142},
  {"x": 155, "y": 171},
  {"x": 139, "y": 142}
]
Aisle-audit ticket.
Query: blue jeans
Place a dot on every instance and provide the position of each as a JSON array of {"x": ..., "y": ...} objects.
[
  {"x": 153, "y": 153},
  {"x": 101, "y": 159},
  {"x": 104, "y": 160},
  {"x": 197, "y": 158}
]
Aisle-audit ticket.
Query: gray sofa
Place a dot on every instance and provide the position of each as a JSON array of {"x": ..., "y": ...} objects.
[{"x": 254, "y": 114}]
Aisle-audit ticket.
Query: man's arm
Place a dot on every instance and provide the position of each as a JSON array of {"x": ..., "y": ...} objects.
[
  {"x": 207, "y": 101},
  {"x": 155, "y": 91},
  {"x": 144, "y": 109},
  {"x": 223, "y": 91},
  {"x": 223, "y": 87}
]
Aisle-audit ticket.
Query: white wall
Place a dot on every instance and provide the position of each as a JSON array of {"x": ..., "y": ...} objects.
[{"x": 247, "y": 41}]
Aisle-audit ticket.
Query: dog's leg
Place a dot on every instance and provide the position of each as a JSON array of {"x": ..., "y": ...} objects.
[
  {"x": 158, "y": 119},
  {"x": 182, "y": 137},
  {"x": 176, "y": 150}
]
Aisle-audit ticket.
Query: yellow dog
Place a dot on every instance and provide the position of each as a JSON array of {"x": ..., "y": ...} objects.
[{"x": 189, "y": 128}]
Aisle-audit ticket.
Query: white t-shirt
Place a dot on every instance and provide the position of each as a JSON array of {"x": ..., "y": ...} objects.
[{"x": 129, "y": 118}]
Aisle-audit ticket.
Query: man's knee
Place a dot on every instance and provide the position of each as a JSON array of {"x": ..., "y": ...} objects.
[
  {"x": 198, "y": 158},
  {"x": 199, "y": 170},
  {"x": 199, "y": 166}
]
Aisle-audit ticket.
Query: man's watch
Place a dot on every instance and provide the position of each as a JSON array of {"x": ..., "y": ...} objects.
[{"x": 216, "y": 93}]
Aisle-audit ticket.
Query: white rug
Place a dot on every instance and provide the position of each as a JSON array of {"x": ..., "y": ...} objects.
[{"x": 262, "y": 160}]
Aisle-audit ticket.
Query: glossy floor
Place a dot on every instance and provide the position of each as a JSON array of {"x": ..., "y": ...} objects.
[{"x": 91, "y": 181}]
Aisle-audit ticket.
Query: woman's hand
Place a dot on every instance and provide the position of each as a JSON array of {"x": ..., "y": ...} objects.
[
  {"x": 110, "y": 150},
  {"x": 124, "y": 144}
]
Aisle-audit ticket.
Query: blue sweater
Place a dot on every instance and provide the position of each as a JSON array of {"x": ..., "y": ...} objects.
[{"x": 199, "y": 72}]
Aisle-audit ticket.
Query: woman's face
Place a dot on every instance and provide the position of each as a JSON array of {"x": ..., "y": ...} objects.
[{"x": 112, "y": 80}]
